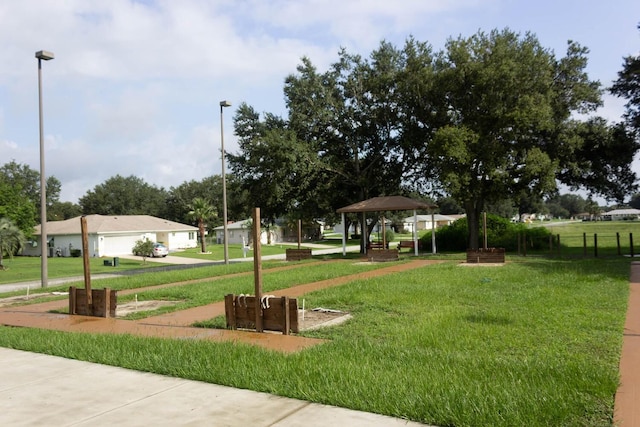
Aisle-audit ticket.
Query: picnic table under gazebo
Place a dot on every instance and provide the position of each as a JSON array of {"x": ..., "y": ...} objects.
[{"x": 383, "y": 204}]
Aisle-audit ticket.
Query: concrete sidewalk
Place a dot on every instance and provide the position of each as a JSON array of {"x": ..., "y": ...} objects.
[{"x": 42, "y": 390}]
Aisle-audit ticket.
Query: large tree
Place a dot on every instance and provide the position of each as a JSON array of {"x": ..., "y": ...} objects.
[
  {"x": 508, "y": 100},
  {"x": 628, "y": 86},
  {"x": 275, "y": 167},
  {"x": 16, "y": 207},
  {"x": 27, "y": 182},
  {"x": 124, "y": 196}
]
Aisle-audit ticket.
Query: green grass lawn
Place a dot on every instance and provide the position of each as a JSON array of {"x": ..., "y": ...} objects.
[
  {"x": 535, "y": 342},
  {"x": 606, "y": 233},
  {"x": 22, "y": 269}
]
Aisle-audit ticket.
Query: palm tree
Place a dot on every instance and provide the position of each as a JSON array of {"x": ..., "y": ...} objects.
[
  {"x": 11, "y": 239},
  {"x": 201, "y": 211}
]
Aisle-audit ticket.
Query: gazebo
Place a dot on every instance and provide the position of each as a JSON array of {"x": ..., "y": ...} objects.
[{"x": 387, "y": 203}]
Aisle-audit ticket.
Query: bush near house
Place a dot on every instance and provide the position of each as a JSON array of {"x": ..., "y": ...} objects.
[{"x": 501, "y": 233}]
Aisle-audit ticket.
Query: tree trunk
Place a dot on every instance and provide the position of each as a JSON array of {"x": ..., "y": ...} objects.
[
  {"x": 473, "y": 209},
  {"x": 203, "y": 247}
]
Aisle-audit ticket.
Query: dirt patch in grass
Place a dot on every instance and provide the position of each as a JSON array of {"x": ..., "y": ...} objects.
[
  {"x": 320, "y": 318},
  {"x": 136, "y": 306},
  {"x": 19, "y": 299}
]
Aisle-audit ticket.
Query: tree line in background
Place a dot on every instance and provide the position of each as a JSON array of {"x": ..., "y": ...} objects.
[{"x": 493, "y": 122}]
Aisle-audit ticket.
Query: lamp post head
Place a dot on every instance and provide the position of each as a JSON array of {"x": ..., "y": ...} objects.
[
  {"x": 44, "y": 55},
  {"x": 225, "y": 104}
]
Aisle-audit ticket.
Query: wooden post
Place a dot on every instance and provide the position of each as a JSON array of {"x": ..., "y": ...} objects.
[
  {"x": 85, "y": 258},
  {"x": 584, "y": 243},
  {"x": 257, "y": 268},
  {"x": 484, "y": 228},
  {"x": 595, "y": 245},
  {"x": 618, "y": 243},
  {"x": 230, "y": 310},
  {"x": 287, "y": 317},
  {"x": 299, "y": 233},
  {"x": 558, "y": 240},
  {"x": 631, "y": 245},
  {"x": 72, "y": 300},
  {"x": 384, "y": 234}
]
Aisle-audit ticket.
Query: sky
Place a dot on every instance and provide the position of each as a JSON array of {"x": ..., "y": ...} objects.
[{"x": 135, "y": 86}]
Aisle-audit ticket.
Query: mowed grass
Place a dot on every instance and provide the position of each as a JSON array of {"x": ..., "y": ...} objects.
[
  {"x": 22, "y": 268},
  {"x": 535, "y": 342},
  {"x": 607, "y": 234}
]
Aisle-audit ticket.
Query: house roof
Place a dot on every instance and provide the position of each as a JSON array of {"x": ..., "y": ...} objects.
[
  {"x": 623, "y": 212},
  {"x": 436, "y": 217},
  {"x": 238, "y": 225},
  {"x": 386, "y": 203},
  {"x": 106, "y": 224}
]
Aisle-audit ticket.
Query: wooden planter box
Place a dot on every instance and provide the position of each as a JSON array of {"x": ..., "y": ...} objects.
[
  {"x": 104, "y": 302},
  {"x": 278, "y": 313},
  {"x": 378, "y": 255},
  {"x": 298, "y": 254},
  {"x": 489, "y": 255}
]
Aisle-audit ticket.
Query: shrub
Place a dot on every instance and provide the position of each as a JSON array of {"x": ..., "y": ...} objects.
[{"x": 501, "y": 233}]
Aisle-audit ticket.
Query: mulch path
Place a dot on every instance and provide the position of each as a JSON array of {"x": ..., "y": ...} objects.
[
  {"x": 626, "y": 408},
  {"x": 176, "y": 324}
]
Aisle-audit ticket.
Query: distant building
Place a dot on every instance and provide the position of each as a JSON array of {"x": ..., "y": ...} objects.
[
  {"x": 112, "y": 235},
  {"x": 425, "y": 221},
  {"x": 621, "y": 214}
]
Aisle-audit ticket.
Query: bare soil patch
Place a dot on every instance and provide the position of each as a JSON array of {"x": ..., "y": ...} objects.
[
  {"x": 9, "y": 301},
  {"x": 137, "y": 306}
]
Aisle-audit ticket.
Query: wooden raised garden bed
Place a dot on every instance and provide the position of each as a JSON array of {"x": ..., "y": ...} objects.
[
  {"x": 488, "y": 255},
  {"x": 298, "y": 254}
]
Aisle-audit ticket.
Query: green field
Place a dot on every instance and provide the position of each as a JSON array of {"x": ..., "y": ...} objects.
[
  {"x": 535, "y": 342},
  {"x": 609, "y": 236}
]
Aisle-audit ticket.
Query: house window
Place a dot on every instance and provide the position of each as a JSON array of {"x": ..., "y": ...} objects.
[{"x": 192, "y": 235}]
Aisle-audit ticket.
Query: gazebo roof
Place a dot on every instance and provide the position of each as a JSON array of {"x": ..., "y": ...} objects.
[{"x": 386, "y": 203}]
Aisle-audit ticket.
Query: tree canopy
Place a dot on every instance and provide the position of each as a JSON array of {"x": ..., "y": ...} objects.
[
  {"x": 124, "y": 196},
  {"x": 628, "y": 86},
  {"x": 491, "y": 118}
]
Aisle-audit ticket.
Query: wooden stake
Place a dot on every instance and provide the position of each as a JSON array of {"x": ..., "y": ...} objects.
[
  {"x": 257, "y": 268},
  {"x": 85, "y": 258}
]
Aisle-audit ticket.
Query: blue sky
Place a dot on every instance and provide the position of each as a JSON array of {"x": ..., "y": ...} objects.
[{"x": 135, "y": 86}]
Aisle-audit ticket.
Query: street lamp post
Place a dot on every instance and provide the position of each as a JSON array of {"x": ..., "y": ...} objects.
[
  {"x": 42, "y": 55},
  {"x": 224, "y": 104}
]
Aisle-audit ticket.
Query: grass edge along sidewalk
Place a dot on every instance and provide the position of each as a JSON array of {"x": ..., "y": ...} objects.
[{"x": 531, "y": 343}]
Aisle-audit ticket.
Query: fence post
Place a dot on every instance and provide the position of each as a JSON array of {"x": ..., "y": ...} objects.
[
  {"x": 595, "y": 245},
  {"x": 584, "y": 243},
  {"x": 631, "y": 244},
  {"x": 618, "y": 243},
  {"x": 558, "y": 247}
]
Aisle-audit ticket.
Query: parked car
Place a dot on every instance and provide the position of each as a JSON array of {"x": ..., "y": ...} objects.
[{"x": 159, "y": 250}]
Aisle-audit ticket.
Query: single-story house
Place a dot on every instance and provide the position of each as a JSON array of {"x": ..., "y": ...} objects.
[
  {"x": 240, "y": 233},
  {"x": 112, "y": 235},
  {"x": 424, "y": 221},
  {"x": 621, "y": 214}
]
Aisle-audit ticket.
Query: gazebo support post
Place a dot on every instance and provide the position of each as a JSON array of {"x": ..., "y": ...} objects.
[
  {"x": 415, "y": 232},
  {"x": 433, "y": 233},
  {"x": 344, "y": 236}
]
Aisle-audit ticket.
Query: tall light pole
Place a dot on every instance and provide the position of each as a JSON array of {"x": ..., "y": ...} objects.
[
  {"x": 42, "y": 55},
  {"x": 224, "y": 104}
]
